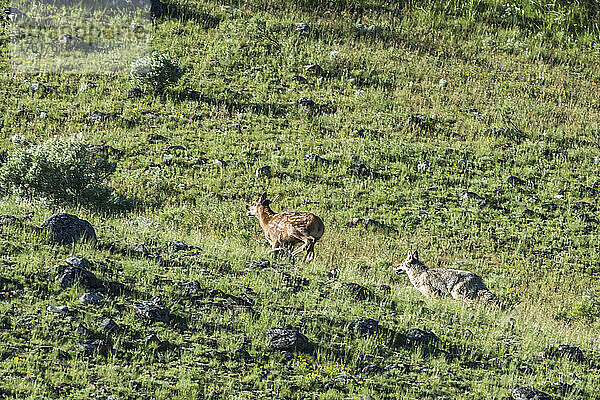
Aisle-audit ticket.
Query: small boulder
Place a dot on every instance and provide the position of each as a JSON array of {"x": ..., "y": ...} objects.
[
  {"x": 9, "y": 220},
  {"x": 109, "y": 326},
  {"x": 58, "y": 309},
  {"x": 419, "y": 337},
  {"x": 263, "y": 171},
  {"x": 360, "y": 292},
  {"x": 529, "y": 393},
  {"x": 572, "y": 353},
  {"x": 313, "y": 68},
  {"x": 302, "y": 27},
  {"x": 67, "y": 229},
  {"x": 152, "y": 310},
  {"x": 242, "y": 355},
  {"x": 153, "y": 340},
  {"x": 90, "y": 299},
  {"x": 287, "y": 339},
  {"x": 92, "y": 347},
  {"x": 75, "y": 271},
  {"x": 365, "y": 326}
]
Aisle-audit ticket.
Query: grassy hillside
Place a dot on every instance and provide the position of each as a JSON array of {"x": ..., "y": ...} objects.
[{"x": 467, "y": 129}]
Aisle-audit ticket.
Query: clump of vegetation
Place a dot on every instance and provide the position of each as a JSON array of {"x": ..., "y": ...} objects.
[
  {"x": 62, "y": 169},
  {"x": 155, "y": 72}
]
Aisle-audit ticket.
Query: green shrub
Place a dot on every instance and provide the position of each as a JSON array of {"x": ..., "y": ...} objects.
[
  {"x": 60, "y": 169},
  {"x": 155, "y": 72}
]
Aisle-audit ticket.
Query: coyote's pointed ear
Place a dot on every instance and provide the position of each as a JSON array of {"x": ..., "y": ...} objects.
[{"x": 415, "y": 255}]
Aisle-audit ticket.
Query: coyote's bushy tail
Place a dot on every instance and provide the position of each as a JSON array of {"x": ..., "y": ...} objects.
[{"x": 490, "y": 298}]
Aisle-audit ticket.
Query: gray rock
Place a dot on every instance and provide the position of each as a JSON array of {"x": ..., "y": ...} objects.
[
  {"x": 9, "y": 220},
  {"x": 90, "y": 299},
  {"x": 109, "y": 326},
  {"x": 14, "y": 15},
  {"x": 313, "y": 68},
  {"x": 365, "y": 326},
  {"x": 304, "y": 102},
  {"x": 219, "y": 163},
  {"x": 85, "y": 85},
  {"x": 514, "y": 180},
  {"x": 315, "y": 158},
  {"x": 263, "y": 171},
  {"x": 83, "y": 331},
  {"x": 153, "y": 310},
  {"x": 529, "y": 393},
  {"x": 179, "y": 246},
  {"x": 175, "y": 148},
  {"x": 364, "y": 222},
  {"x": 77, "y": 273},
  {"x": 287, "y": 339},
  {"x": 243, "y": 355},
  {"x": 69, "y": 42},
  {"x": 360, "y": 292},
  {"x": 302, "y": 27},
  {"x": 572, "y": 353},
  {"x": 418, "y": 337},
  {"x": 92, "y": 347},
  {"x": 153, "y": 340},
  {"x": 443, "y": 83},
  {"x": 58, "y": 309},
  {"x": 67, "y": 229}
]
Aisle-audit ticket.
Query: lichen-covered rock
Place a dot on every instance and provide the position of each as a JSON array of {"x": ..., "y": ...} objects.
[
  {"x": 529, "y": 393},
  {"x": 153, "y": 310},
  {"x": 75, "y": 272},
  {"x": 67, "y": 229},
  {"x": 287, "y": 339},
  {"x": 417, "y": 337}
]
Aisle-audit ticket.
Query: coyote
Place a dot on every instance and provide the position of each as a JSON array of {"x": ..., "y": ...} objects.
[
  {"x": 287, "y": 228},
  {"x": 463, "y": 285}
]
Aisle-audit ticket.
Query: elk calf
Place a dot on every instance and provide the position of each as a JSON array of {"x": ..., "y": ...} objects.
[
  {"x": 287, "y": 228},
  {"x": 461, "y": 285}
]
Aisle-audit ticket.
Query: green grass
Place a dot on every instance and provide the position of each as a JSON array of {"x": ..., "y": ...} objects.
[{"x": 532, "y": 77}]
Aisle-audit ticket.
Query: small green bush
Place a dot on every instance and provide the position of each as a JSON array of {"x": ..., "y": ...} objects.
[
  {"x": 59, "y": 169},
  {"x": 155, "y": 72}
]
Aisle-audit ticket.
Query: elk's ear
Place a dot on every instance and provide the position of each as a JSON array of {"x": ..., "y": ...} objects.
[{"x": 263, "y": 197}]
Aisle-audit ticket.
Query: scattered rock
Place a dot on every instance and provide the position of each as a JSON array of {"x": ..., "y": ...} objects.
[
  {"x": 365, "y": 326},
  {"x": 360, "y": 170},
  {"x": 75, "y": 271},
  {"x": 300, "y": 79},
  {"x": 153, "y": 339},
  {"x": 364, "y": 222},
  {"x": 69, "y": 42},
  {"x": 371, "y": 369},
  {"x": 263, "y": 171},
  {"x": 304, "y": 102},
  {"x": 302, "y": 27},
  {"x": 134, "y": 93},
  {"x": 109, "y": 326},
  {"x": 360, "y": 292},
  {"x": 260, "y": 264},
  {"x": 420, "y": 121},
  {"x": 420, "y": 337},
  {"x": 572, "y": 353},
  {"x": 587, "y": 218},
  {"x": 313, "y": 68},
  {"x": 561, "y": 388},
  {"x": 174, "y": 148},
  {"x": 243, "y": 355},
  {"x": 90, "y": 298},
  {"x": 139, "y": 248},
  {"x": 158, "y": 9},
  {"x": 513, "y": 180},
  {"x": 384, "y": 288},
  {"x": 92, "y": 347},
  {"x": 219, "y": 163},
  {"x": 549, "y": 206},
  {"x": 529, "y": 393},
  {"x": 443, "y": 83},
  {"x": 192, "y": 287},
  {"x": 287, "y": 339},
  {"x": 9, "y": 220},
  {"x": 179, "y": 246},
  {"x": 83, "y": 331},
  {"x": 466, "y": 195},
  {"x": 67, "y": 229},
  {"x": 14, "y": 15},
  {"x": 98, "y": 116},
  {"x": 58, "y": 309},
  {"x": 153, "y": 310},
  {"x": 584, "y": 206},
  {"x": 85, "y": 85},
  {"x": 465, "y": 332},
  {"x": 315, "y": 158}
]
